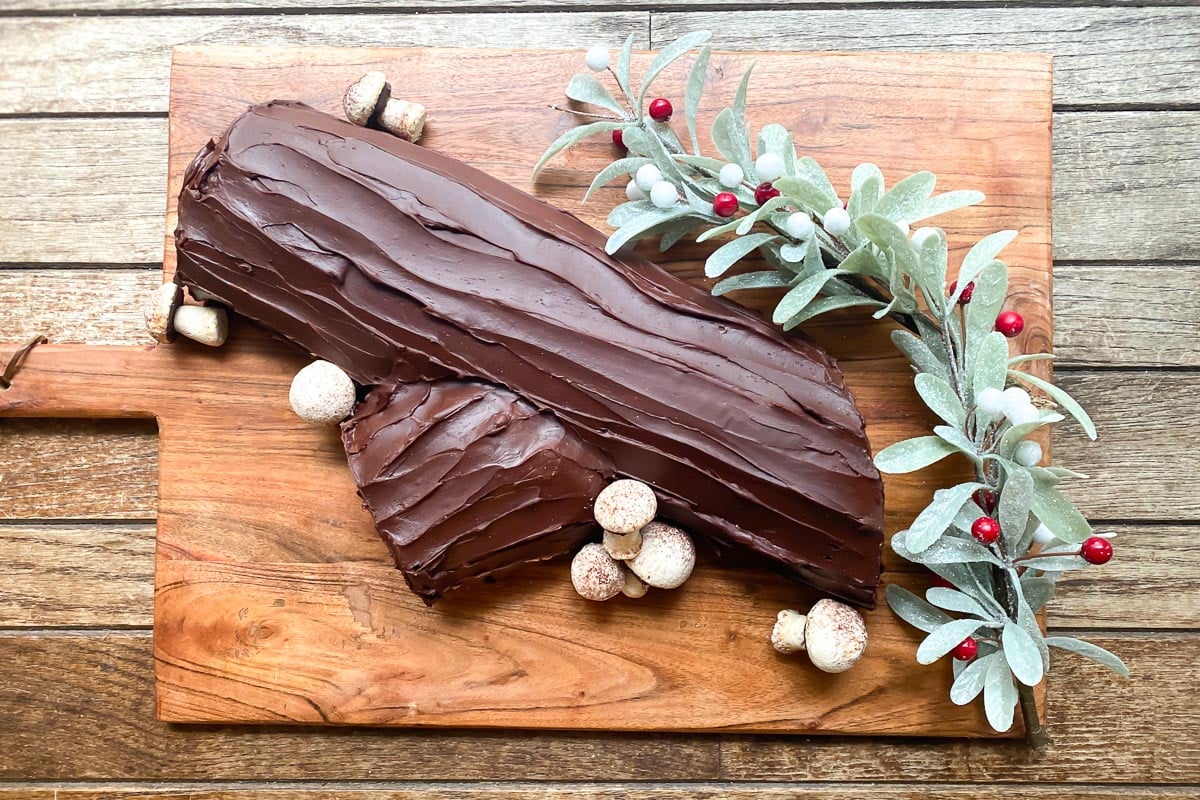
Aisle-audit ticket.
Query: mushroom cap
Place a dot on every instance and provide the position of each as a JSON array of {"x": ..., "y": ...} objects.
[
  {"x": 363, "y": 95},
  {"x": 595, "y": 574},
  {"x": 204, "y": 324},
  {"x": 835, "y": 636},
  {"x": 625, "y": 506},
  {"x": 623, "y": 546},
  {"x": 788, "y": 634},
  {"x": 666, "y": 558},
  {"x": 160, "y": 310},
  {"x": 634, "y": 586},
  {"x": 322, "y": 394}
]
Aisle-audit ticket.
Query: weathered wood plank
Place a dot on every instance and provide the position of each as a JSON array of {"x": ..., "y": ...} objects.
[
  {"x": 1101, "y": 55},
  {"x": 1125, "y": 188},
  {"x": 80, "y": 707},
  {"x": 78, "y": 469},
  {"x": 97, "y": 64},
  {"x": 77, "y": 575},
  {"x": 1091, "y": 715},
  {"x": 1091, "y": 309},
  {"x": 76, "y": 305}
]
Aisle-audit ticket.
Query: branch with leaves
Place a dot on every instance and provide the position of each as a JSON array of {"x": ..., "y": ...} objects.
[{"x": 999, "y": 543}]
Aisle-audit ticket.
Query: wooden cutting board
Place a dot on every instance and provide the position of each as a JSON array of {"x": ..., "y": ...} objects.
[{"x": 276, "y": 602}]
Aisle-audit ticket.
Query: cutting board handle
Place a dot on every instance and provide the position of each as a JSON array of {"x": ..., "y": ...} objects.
[{"x": 90, "y": 381}]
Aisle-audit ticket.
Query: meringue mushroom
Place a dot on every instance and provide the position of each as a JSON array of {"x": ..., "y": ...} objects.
[
  {"x": 159, "y": 312},
  {"x": 623, "y": 546},
  {"x": 322, "y": 394},
  {"x": 625, "y": 506},
  {"x": 634, "y": 586},
  {"x": 204, "y": 324},
  {"x": 595, "y": 574},
  {"x": 363, "y": 96},
  {"x": 666, "y": 558},
  {"x": 833, "y": 633}
]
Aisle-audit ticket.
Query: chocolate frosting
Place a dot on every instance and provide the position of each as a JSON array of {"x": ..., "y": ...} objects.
[
  {"x": 400, "y": 264},
  {"x": 466, "y": 480}
]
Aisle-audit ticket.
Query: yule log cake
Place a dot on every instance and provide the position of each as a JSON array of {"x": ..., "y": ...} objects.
[{"x": 404, "y": 266}]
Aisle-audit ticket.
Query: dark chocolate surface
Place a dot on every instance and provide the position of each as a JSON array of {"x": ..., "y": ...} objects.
[
  {"x": 466, "y": 480},
  {"x": 400, "y": 264}
]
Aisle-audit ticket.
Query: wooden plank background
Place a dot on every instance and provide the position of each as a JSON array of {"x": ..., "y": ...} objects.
[{"x": 83, "y": 86}]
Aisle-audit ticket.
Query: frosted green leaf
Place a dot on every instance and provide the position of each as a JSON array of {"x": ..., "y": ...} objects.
[
  {"x": 911, "y": 455},
  {"x": 1022, "y": 654},
  {"x": 989, "y": 363},
  {"x": 936, "y": 517},
  {"x": 644, "y": 143},
  {"x": 571, "y": 137},
  {"x": 767, "y": 279},
  {"x": 713, "y": 165},
  {"x": 914, "y": 610},
  {"x": 866, "y": 187},
  {"x": 946, "y": 550},
  {"x": 979, "y": 256},
  {"x": 1059, "y": 514},
  {"x": 584, "y": 88},
  {"x": 620, "y": 167},
  {"x": 954, "y": 600},
  {"x": 626, "y": 212},
  {"x": 667, "y": 56},
  {"x": 941, "y": 399},
  {"x": 739, "y": 99},
  {"x": 712, "y": 233},
  {"x": 999, "y": 696},
  {"x": 675, "y": 232},
  {"x": 730, "y": 253},
  {"x": 1013, "y": 511},
  {"x": 809, "y": 170},
  {"x": 623, "y": 60},
  {"x": 1089, "y": 650},
  {"x": 991, "y": 289},
  {"x": 1037, "y": 591},
  {"x": 944, "y": 203},
  {"x": 801, "y": 295},
  {"x": 748, "y": 221},
  {"x": 919, "y": 354},
  {"x": 970, "y": 681},
  {"x": 945, "y": 638},
  {"x": 1062, "y": 398},
  {"x": 794, "y": 253},
  {"x": 804, "y": 193},
  {"x": 863, "y": 260},
  {"x": 691, "y": 98},
  {"x": 1015, "y": 360},
  {"x": 1027, "y": 619},
  {"x": 931, "y": 268},
  {"x": 646, "y": 224},
  {"x": 886, "y": 235},
  {"x": 1018, "y": 433},
  {"x": 903, "y": 199},
  {"x": 823, "y": 305},
  {"x": 960, "y": 440},
  {"x": 729, "y": 136}
]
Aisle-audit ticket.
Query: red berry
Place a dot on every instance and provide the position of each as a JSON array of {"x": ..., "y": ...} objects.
[
  {"x": 985, "y": 499},
  {"x": 725, "y": 204},
  {"x": 764, "y": 192},
  {"x": 941, "y": 583},
  {"x": 1010, "y": 323},
  {"x": 1096, "y": 550},
  {"x": 985, "y": 530},
  {"x": 661, "y": 109},
  {"x": 619, "y": 139},
  {"x": 966, "y": 650},
  {"x": 965, "y": 297}
]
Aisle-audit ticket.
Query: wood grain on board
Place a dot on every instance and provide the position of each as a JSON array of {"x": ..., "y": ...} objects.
[{"x": 304, "y": 620}]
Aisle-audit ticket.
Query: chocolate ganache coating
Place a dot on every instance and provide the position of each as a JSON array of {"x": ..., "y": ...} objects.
[{"x": 400, "y": 264}]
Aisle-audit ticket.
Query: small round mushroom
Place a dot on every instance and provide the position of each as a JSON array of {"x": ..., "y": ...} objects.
[
  {"x": 362, "y": 97},
  {"x": 833, "y": 633},
  {"x": 322, "y": 394},
  {"x": 634, "y": 587},
  {"x": 204, "y": 324},
  {"x": 403, "y": 118},
  {"x": 623, "y": 546},
  {"x": 595, "y": 574},
  {"x": 159, "y": 312},
  {"x": 625, "y": 506},
  {"x": 666, "y": 558}
]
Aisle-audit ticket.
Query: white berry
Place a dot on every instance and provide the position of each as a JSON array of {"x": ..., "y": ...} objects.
[
  {"x": 902, "y": 225},
  {"x": 731, "y": 176},
  {"x": 634, "y": 192},
  {"x": 664, "y": 194},
  {"x": 1043, "y": 535},
  {"x": 646, "y": 176},
  {"x": 597, "y": 58},
  {"x": 991, "y": 402},
  {"x": 922, "y": 235},
  {"x": 768, "y": 167},
  {"x": 836, "y": 221},
  {"x": 800, "y": 225},
  {"x": 322, "y": 394},
  {"x": 1016, "y": 396},
  {"x": 1028, "y": 453},
  {"x": 1021, "y": 415}
]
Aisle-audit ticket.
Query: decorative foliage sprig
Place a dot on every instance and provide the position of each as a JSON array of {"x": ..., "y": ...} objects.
[{"x": 998, "y": 543}]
